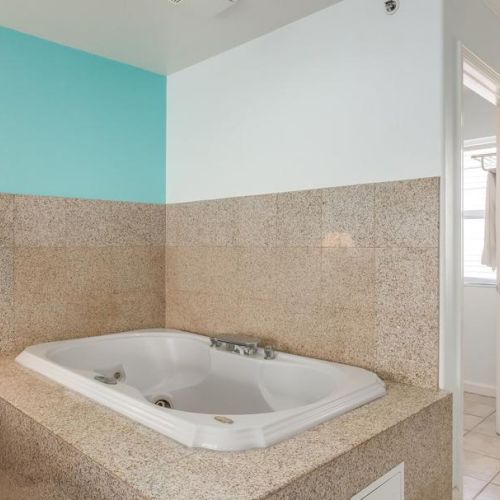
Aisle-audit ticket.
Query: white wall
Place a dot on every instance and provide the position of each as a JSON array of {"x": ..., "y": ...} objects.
[
  {"x": 347, "y": 95},
  {"x": 479, "y": 323},
  {"x": 479, "y": 117},
  {"x": 479, "y": 338}
]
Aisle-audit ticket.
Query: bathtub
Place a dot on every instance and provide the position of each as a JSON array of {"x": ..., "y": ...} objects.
[{"x": 179, "y": 385}]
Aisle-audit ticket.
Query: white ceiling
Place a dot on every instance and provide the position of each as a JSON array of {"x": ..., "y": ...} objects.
[{"x": 153, "y": 34}]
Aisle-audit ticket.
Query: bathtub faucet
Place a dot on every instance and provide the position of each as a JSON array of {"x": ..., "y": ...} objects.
[{"x": 240, "y": 345}]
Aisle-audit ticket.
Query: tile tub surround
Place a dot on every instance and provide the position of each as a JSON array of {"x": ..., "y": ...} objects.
[
  {"x": 75, "y": 268},
  {"x": 55, "y": 438},
  {"x": 348, "y": 274}
]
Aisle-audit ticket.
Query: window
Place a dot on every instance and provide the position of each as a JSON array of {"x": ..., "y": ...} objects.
[{"x": 474, "y": 200}]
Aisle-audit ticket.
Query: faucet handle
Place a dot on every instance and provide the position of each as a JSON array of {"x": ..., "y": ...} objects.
[{"x": 269, "y": 352}]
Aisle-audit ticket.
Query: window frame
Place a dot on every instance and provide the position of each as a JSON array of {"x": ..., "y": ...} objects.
[{"x": 470, "y": 145}]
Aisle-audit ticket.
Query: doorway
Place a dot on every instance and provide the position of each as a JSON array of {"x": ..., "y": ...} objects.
[{"x": 480, "y": 249}]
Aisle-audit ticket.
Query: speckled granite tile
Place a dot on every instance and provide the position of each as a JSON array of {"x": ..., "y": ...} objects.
[
  {"x": 185, "y": 268},
  {"x": 296, "y": 329},
  {"x": 348, "y": 277},
  {"x": 37, "y": 323},
  {"x": 257, "y": 219},
  {"x": 221, "y": 272},
  {"x": 87, "y": 272},
  {"x": 347, "y": 335},
  {"x": 6, "y": 220},
  {"x": 140, "y": 224},
  {"x": 45, "y": 464},
  {"x": 348, "y": 216},
  {"x": 299, "y": 219},
  {"x": 132, "y": 268},
  {"x": 407, "y": 328},
  {"x": 407, "y": 346},
  {"x": 7, "y": 337},
  {"x": 257, "y": 273},
  {"x": 423, "y": 443},
  {"x": 6, "y": 275},
  {"x": 407, "y": 213},
  {"x": 407, "y": 277},
  {"x": 223, "y": 222},
  {"x": 158, "y": 467},
  {"x": 203, "y": 313},
  {"x": 41, "y": 275},
  {"x": 40, "y": 221},
  {"x": 135, "y": 310},
  {"x": 105, "y": 223},
  {"x": 299, "y": 275}
]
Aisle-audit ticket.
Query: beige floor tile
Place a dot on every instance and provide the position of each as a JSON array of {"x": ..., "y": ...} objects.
[
  {"x": 488, "y": 426},
  {"x": 496, "y": 480},
  {"x": 477, "y": 398},
  {"x": 471, "y": 487},
  {"x": 456, "y": 495},
  {"x": 480, "y": 466},
  {"x": 478, "y": 409},
  {"x": 491, "y": 492},
  {"x": 470, "y": 421},
  {"x": 482, "y": 443}
]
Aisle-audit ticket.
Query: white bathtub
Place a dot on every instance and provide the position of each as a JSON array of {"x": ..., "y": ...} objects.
[{"x": 219, "y": 400}]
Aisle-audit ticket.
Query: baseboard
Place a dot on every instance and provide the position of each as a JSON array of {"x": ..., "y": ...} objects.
[{"x": 482, "y": 389}]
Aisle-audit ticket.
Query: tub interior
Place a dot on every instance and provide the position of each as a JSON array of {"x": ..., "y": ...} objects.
[{"x": 192, "y": 377}]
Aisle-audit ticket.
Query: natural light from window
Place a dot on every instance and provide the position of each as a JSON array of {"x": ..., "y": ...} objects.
[{"x": 474, "y": 199}]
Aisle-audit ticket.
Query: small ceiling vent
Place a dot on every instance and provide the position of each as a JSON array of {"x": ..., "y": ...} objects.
[{"x": 204, "y": 8}]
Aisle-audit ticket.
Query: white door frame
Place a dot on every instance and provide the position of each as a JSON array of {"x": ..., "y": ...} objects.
[{"x": 475, "y": 74}]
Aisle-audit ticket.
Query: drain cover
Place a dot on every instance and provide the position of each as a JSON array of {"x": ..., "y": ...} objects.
[{"x": 163, "y": 403}]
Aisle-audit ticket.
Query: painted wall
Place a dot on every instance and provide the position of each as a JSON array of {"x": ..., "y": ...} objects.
[
  {"x": 347, "y": 95},
  {"x": 479, "y": 117},
  {"x": 73, "y": 124},
  {"x": 479, "y": 345}
]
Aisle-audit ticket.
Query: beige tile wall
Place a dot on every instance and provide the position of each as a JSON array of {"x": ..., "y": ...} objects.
[
  {"x": 74, "y": 268},
  {"x": 347, "y": 274}
]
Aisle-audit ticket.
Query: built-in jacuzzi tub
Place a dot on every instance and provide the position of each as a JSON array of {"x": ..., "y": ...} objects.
[{"x": 177, "y": 384}]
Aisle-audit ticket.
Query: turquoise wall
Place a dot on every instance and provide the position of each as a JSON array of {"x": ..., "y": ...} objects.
[{"x": 77, "y": 125}]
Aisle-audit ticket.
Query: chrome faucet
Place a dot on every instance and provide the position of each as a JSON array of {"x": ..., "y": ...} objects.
[{"x": 248, "y": 346}]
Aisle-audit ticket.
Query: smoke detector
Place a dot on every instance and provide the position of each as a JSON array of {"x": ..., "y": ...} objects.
[{"x": 204, "y": 8}]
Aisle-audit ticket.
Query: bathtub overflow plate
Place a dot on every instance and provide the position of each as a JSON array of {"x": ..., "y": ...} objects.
[{"x": 224, "y": 420}]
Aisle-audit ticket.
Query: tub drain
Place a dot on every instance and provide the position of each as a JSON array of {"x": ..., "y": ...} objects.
[{"x": 163, "y": 403}]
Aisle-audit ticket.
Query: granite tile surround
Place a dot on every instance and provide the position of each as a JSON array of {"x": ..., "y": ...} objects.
[
  {"x": 75, "y": 268},
  {"x": 52, "y": 439},
  {"x": 348, "y": 274}
]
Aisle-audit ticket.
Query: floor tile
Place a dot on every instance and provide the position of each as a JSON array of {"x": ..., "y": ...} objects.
[
  {"x": 491, "y": 492},
  {"x": 470, "y": 421},
  {"x": 482, "y": 443},
  {"x": 496, "y": 480},
  {"x": 471, "y": 487},
  {"x": 478, "y": 409},
  {"x": 480, "y": 466},
  {"x": 469, "y": 397},
  {"x": 487, "y": 426}
]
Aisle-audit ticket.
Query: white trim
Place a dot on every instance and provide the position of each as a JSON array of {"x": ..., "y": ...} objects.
[
  {"x": 481, "y": 389},
  {"x": 481, "y": 141},
  {"x": 451, "y": 338},
  {"x": 399, "y": 470},
  {"x": 480, "y": 78}
]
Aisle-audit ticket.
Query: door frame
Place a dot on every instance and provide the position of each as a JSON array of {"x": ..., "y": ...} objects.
[{"x": 477, "y": 75}]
